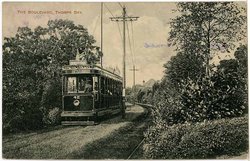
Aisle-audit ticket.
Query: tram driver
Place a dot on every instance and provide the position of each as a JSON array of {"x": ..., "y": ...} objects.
[
  {"x": 85, "y": 85},
  {"x": 88, "y": 86}
]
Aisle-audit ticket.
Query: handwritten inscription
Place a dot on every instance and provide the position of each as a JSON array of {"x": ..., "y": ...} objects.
[
  {"x": 155, "y": 45},
  {"x": 48, "y": 12}
]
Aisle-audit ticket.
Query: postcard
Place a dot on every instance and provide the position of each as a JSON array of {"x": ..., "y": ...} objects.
[{"x": 125, "y": 80}]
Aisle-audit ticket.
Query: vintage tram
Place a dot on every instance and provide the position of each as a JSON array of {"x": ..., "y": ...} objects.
[{"x": 89, "y": 92}]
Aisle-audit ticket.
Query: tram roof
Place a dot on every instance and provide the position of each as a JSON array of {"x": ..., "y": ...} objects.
[{"x": 89, "y": 69}]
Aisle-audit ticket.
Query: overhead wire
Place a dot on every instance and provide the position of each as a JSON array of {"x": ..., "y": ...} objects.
[
  {"x": 119, "y": 30},
  {"x": 129, "y": 39},
  {"x": 133, "y": 40},
  {"x": 96, "y": 25},
  {"x": 108, "y": 10},
  {"x": 116, "y": 21},
  {"x": 120, "y": 5},
  {"x": 130, "y": 46},
  {"x": 131, "y": 52}
]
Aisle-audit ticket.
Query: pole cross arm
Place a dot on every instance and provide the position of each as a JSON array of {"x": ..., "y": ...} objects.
[
  {"x": 124, "y": 18},
  {"x": 134, "y": 69}
]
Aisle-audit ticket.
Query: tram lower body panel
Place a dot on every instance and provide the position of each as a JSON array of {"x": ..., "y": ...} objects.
[{"x": 85, "y": 110}]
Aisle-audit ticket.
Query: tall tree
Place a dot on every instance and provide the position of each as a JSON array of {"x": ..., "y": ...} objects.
[
  {"x": 32, "y": 62},
  {"x": 183, "y": 67},
  {"x": 203, "y": 28},
  {"x": 241, "y": 57}
]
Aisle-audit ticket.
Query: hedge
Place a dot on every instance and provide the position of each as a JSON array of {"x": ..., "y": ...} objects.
[{"x": 197, "y": 141}]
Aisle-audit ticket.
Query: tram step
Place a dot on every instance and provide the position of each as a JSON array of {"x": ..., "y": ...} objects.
[{"x": 78, "y": 123}]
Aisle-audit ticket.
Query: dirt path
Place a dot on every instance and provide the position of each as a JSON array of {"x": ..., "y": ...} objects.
[
  {"x": 60, "y": 143},
  {"x": 242, "y": 156}
]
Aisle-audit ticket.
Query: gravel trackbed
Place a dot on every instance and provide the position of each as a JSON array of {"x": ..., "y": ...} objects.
[{"x": 60, "y": 143}]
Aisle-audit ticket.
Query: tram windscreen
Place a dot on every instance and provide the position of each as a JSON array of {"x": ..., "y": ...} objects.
[
  {"x": 80, "y": 84},
  {"x": 71, "y": 84},
  {"x": 85, "y": 84}
]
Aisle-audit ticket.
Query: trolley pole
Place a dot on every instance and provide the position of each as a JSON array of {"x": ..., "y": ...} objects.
[
  {"x": 101, "y": 31},
  {"x": 124, "y": 18},
  {"x": 134, "y": 70}
]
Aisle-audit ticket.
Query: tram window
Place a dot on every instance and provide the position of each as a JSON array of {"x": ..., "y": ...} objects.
[
  {"x": 113, "y": 85},
  {"x": 116, "y": 89},
  {"x": 120, "y": 89},
  {"x": 85, "y": 84},
  {"x": 110, "y": 87},
  {"x": 102, "y": 85},
  {"x": 95, "y": 83},
  {"x": 107, "y": 86},
  {"x": 71, "y": 84}
]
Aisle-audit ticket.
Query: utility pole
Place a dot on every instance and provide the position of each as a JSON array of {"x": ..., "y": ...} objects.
[
  {"x": 101, "y": 30},
  {"x": 124, "y": 18},
  {"x": 134, "y": 70}
]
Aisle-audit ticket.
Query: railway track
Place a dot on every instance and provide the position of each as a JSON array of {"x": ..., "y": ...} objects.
[
  {"x": 135, "y": 149},
  {"x": 146, "y": 116},
  {"x": 124, "y": 143}
]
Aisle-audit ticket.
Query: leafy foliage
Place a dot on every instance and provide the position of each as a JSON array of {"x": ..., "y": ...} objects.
[
  {"x": 32, "y": 62},
  {"x": 222, "y": 95},
  {"x": 193, "y": 90},
  {"x": 139, "y": 93},
  {"x": 166, "y": 104},
  {"x": 194, "y": 95},
  {"x": 212, "y": 99},
  {"x": 204, "y": 28},
  {"x": 197, "y": 141},
  {"x": 241, "y": 58},
  {"x": 182, "y": 67}
]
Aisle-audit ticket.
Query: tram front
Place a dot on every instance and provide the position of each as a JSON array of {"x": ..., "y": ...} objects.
[{"x": 79, "y": 90}]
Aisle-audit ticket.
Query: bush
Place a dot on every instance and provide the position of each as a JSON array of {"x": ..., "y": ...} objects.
[
  {"x": 181, "y": 97},
  {"x": 52, "y": 117},
  {"x": 166, "y": 105},
  {"x": 221, "y": 96},
  {"x": 197, "y": 141},
  {"x": 215, "y": 98}
]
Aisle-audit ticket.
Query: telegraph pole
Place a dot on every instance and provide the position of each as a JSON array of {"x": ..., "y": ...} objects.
[
  {"x": 124, "y": 53},
  {"x": 124, "y": 18},
  {"x": 134, "y": 70}
]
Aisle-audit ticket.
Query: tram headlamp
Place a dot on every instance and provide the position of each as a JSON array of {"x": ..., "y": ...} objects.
[{"x": 76, "y": 102}]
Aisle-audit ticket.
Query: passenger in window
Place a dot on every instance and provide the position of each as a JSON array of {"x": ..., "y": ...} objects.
[
  {"x": 96, "y": 86},
  {"x": 82, "y": 85},
  {"x": 88, "y": 86}
]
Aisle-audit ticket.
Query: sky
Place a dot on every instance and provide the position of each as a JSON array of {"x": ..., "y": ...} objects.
[{"x": 152, "y": 27}]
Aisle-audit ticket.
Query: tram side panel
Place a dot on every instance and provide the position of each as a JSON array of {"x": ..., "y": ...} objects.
[{"x": 110, "y": 97}]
